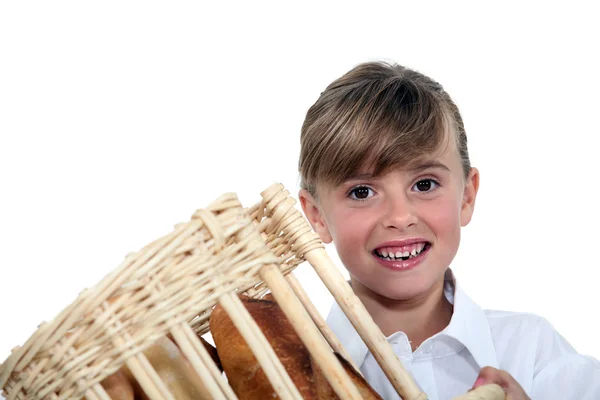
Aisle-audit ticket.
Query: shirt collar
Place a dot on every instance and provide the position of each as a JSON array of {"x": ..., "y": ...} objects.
[{"x": 468, "y": 325}]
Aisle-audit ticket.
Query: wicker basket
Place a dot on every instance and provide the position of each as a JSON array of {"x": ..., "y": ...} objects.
[{"x": 171, "y": 286}]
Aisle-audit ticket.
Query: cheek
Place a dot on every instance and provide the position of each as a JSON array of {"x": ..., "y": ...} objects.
[
  {"x": 350, "y": 230},
  {"x": 443, "y": 216}
]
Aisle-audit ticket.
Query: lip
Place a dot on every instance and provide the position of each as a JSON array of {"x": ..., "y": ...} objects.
[
  {"x": 400, "y": 243},
  {"x": 403, "y": 265}
]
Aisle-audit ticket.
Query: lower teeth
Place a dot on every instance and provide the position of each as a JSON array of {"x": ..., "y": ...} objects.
[{"x": 400, "y": 258}]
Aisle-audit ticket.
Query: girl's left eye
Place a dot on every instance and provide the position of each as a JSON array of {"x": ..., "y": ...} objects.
[
  {"x": 425, "y": 185},
  {"x": 360, "y": 193}
]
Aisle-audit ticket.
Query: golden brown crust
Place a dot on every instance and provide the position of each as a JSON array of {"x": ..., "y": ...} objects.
[
  {"x": 243, "y": 371},
  {"x": 174, "y": 370},
  {"x": 118, "y": 386},
  {"x": 325, "y": 391}
]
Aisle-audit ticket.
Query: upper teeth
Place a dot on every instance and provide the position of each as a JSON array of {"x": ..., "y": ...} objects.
[{"x": 389, "y": 253}]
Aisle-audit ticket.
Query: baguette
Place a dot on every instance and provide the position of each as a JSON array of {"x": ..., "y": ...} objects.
[
  {"x": 243, "y": 371},
  {"x": 175, "y": 371},
  {"x": 171, "y": 366},
  {"x": 325, "y": 391},
  {"x": 118, "y": 386}
]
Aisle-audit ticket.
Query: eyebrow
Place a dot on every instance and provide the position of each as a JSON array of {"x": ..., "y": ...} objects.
[
  {"x": 359, "y": 177},
  {"x": 419, "y": 167},
  {"x": 429, "y": 165}
]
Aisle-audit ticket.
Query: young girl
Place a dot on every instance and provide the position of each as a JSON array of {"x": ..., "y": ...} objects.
[{"x": 386, "y": 176}]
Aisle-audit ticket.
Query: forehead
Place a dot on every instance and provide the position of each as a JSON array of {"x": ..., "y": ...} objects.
[
  {"x": 445, "y": 158},
  {"x": 394, "y": 156}
]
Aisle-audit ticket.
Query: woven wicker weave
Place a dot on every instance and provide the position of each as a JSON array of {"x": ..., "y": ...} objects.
[{"x": 171, "y": 286}]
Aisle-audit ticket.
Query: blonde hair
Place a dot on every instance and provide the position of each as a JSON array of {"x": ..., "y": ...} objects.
[{"x": 376, "y": 116}]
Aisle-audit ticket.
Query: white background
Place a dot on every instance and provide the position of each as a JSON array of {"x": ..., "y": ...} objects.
[{"x": 120, "y": 119}]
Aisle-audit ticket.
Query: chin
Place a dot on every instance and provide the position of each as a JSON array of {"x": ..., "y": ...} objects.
[
  {"x": 401, "y": 290},
  {"x": 400, "y": 294}
]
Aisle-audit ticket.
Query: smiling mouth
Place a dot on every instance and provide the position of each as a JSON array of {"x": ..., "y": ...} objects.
[{"x": 401, "y": 253}]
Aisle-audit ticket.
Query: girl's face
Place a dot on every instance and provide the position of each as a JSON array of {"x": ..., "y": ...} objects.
[{"x": 397, "y": 233}]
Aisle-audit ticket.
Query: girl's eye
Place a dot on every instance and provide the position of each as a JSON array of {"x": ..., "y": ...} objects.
[
  {"x": 425, "y": 185},
  {"x": 360, "y": 193}
]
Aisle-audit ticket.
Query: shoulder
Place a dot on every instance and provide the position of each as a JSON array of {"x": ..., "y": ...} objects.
[
  {"x": 529, "y": 342},
  {"x": 515, "y": 322},
  {"x": 528, "y": 333},
  {"x": 523, "y": 339},
  {"x": 531, "y": 329}
]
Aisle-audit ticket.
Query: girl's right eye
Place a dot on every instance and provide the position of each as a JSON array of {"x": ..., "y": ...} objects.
[{"x": 360, "y": 193}]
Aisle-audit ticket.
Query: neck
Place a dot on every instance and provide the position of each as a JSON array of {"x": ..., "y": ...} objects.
[{"x": 419, "y": 318}]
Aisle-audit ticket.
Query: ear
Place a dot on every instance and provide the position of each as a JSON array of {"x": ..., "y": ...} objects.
[
  {"x": 314, "y": 215},
  {"x": 469, "y": 195}
]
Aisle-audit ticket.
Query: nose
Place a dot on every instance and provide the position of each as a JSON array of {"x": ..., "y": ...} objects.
[{"x": 399, "y": 213}]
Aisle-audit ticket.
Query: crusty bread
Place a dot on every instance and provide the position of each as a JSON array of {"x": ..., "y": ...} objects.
[
  {"x": 175, "y": 371},
  {"x": 241, "y": 367},
  {"x": 325, "y": 391},
  {"x": 118, "y": 386},
  {"x": 172, "y": 367},
  {"x": 245, "y": 374},
  {"x": 235, "y": 357}
]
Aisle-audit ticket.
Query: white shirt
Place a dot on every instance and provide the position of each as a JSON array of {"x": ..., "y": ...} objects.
[{"x": 447, "y": 364}]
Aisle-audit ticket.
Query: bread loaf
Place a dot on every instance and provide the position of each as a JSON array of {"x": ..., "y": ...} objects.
[
  {"x": 118, "y": 386},
  {"x": 175, "y": 371},
  {"x": 243, "y": 370},
  {"x": 172, "y": 367},
  {"x": 325, "y": 391}
]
